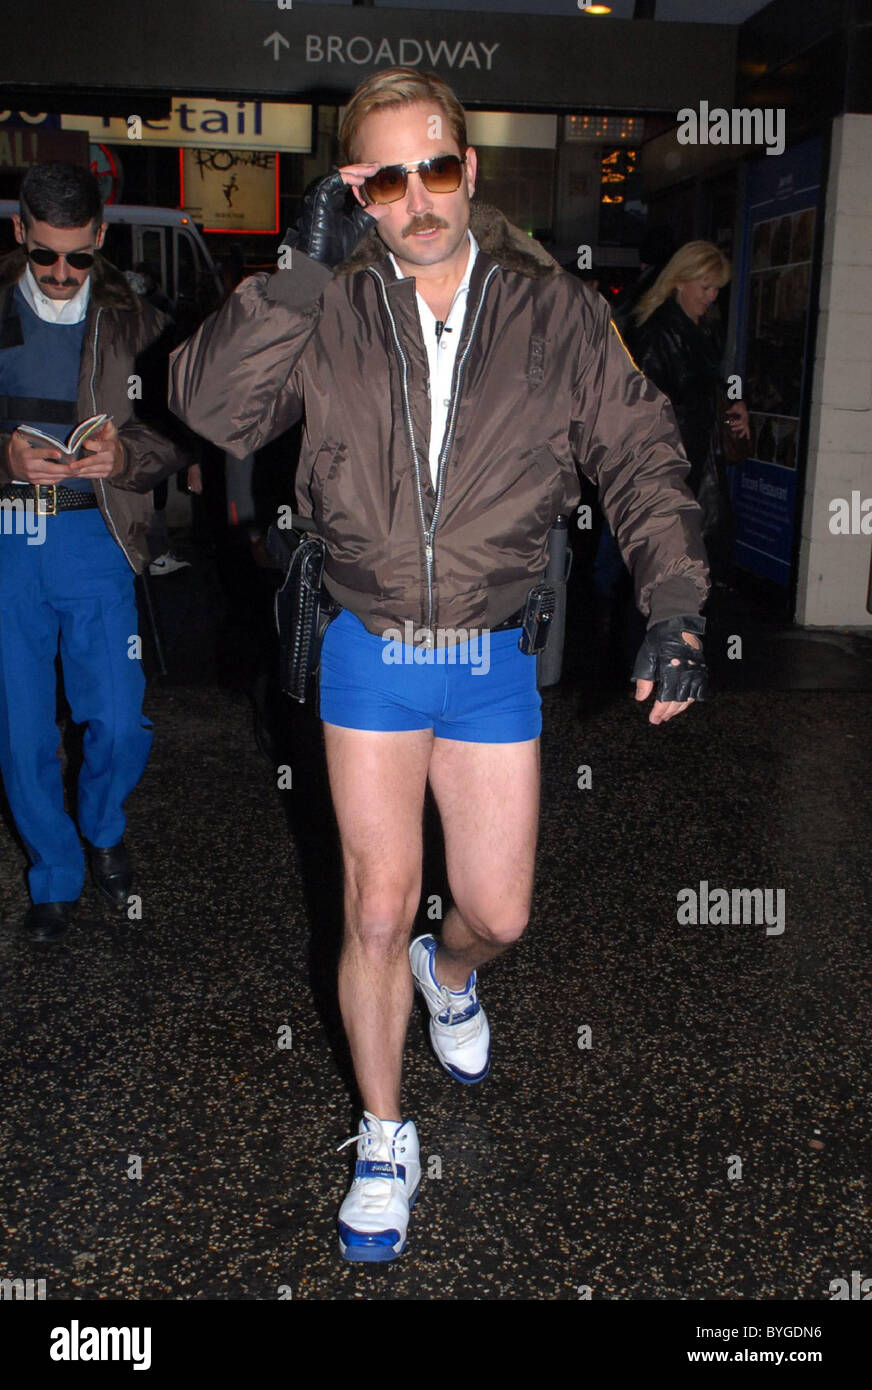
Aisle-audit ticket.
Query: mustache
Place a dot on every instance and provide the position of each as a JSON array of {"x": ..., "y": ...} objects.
[
  {"x": 61, "y": 284},
  {"x": 423, "y": 224}
]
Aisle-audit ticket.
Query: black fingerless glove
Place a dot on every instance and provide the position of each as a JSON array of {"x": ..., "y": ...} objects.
[
  {"x": 663, "y": 645},
  {"x": 332, "y": 221}
]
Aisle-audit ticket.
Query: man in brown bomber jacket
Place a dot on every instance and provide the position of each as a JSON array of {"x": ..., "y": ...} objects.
[{"x": 454, "y": 380}]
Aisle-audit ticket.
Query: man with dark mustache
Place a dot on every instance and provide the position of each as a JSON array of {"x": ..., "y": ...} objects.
[
  {"x": 74, "y": 342},
  {"x": 454, "y": 381}
]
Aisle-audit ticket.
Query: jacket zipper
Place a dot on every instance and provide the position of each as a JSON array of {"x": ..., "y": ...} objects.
[
  {"x": 100, "y": 480},
  {"x": 429, "y": 534}
]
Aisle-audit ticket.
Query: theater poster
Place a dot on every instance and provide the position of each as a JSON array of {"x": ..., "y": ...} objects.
[
  {"x": 782, "y": 223},
  {"x": 230, "y": 190}
]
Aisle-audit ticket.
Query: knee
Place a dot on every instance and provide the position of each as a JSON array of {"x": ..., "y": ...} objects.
[
  {"x": 380, "y": 916},
  {"x": 137, "y": 730},
  {"x": 122, "y": 728},
  {"x": 499, "y": 925}
]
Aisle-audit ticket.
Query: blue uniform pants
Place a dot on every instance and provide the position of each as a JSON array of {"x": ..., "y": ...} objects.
[{"x": 73, "y": 591}]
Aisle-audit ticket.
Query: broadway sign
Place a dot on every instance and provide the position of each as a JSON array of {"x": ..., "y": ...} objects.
[{"x": 310, "y": 52}]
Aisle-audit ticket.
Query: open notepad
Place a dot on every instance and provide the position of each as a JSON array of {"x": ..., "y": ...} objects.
[{"x": 72, "y": 450}]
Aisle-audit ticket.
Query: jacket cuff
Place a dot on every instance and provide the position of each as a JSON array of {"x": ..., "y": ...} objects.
[
  {"x": 676, "y": 597},
  {"x": 301, "y": 283},
  {"x": 124, "y": 471}
]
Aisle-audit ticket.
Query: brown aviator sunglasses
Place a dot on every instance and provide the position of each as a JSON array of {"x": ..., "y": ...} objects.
[{"x": 440, "y": 175}]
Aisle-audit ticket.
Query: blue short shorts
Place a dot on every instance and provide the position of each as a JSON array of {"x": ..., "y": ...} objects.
[{"x": 480, "y": 691}]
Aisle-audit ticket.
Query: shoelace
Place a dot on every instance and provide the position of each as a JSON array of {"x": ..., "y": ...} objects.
[
  {"x": 375, "y": 1193},
  {"x": 461, "y": 1033}
]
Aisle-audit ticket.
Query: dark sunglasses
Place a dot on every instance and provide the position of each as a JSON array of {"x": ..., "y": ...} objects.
[
  {"x": 79, "y": 260},
  {"x": 439, "y": 175}
]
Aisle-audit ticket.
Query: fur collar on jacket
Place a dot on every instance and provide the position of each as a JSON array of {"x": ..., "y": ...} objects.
[
  {"x": 496, "y": 236},
  {"x": 109, "y": 289}
]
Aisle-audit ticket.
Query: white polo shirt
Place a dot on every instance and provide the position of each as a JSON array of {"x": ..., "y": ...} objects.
[
  {"x": 441, "y": 352},
  {"x": 55, "y": 310}
]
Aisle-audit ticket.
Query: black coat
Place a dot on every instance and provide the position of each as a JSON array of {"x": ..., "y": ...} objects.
[{"x": 683, "y": 359}]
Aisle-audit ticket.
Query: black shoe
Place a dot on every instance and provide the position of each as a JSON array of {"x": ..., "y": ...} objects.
[
  {"x": 46, "y": 922},
  {"x": 112, "y": 873}
]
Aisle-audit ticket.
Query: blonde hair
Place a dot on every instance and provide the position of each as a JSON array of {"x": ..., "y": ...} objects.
[
  {"x": 399, "y": 87},
  {"x": 692, "y": 261}
]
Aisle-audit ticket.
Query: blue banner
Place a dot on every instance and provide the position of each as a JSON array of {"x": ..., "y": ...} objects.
[{"x": 782, "y": 223}]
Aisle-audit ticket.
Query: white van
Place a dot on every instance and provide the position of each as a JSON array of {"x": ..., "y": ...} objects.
[{"x": 169, "y": 239}]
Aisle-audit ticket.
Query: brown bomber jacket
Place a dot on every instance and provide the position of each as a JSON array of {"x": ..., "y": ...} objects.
[
  {"x": 124, "y": 336},
  {"x": 543, "y": 387}
]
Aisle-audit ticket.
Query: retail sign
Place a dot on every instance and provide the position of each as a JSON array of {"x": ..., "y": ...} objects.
[
  {"x": 506, "y": 130},
  {"x": 201, "y": 122},
  {"x": 503, "y": 129}
]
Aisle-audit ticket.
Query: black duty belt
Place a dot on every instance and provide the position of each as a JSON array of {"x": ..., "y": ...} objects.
[
  {"x": 50, "y": 498},
  {"x": 38, "y": 408}
]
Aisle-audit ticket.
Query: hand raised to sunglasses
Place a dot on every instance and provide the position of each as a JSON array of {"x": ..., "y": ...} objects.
[
  {"x": 330, "y": 226},
  {"x": 354, "y": 176}
]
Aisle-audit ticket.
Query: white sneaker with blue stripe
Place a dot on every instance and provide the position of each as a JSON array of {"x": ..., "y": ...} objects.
[
  {"x": 374, "y": 1217},
  {"x": 459, "y": 1028}
]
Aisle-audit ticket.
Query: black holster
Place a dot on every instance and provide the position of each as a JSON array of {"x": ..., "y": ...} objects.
[
  {"x": 303, "y": 608},
  {"x": 549, "y": 662}
]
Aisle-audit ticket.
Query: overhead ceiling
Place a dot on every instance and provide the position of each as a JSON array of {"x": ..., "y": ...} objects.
[{"x": 698, "y": 11}]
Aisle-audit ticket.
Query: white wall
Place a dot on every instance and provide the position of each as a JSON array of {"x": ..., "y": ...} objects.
[{"x": 834, "y": 569}]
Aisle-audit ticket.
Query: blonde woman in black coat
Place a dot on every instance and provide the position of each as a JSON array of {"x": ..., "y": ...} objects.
[{"x": 678, "y": 343}]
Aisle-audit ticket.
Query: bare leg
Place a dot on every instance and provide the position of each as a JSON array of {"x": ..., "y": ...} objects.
[
  {"x": 488, "y": 799},
  {"x": 377, "y": 781}
]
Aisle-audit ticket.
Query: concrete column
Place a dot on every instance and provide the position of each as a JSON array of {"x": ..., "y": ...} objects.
[
  {"x": 834, "y": 568},
  {"x": 576, "y": 219}
]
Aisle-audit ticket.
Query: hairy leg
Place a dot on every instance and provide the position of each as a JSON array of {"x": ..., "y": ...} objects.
[
  {"x": 488, "y": 799},
  {"x": 377, "y": 781}
]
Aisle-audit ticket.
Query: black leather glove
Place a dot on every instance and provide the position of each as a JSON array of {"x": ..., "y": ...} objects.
[
  {"x": 332, "y": 221},
  {"x": 664, "y": 644}
]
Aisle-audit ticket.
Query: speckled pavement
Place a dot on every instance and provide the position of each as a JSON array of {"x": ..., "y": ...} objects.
[{"x": 711, "y": 1142}]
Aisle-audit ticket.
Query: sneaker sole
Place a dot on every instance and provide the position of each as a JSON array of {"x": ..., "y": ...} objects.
[
  {"x": 375, "y": 1254},
  {"x": 369, "y": 1254},
  {"x": 462, "y": 1076}
]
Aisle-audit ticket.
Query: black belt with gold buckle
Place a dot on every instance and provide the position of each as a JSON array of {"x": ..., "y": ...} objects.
[{"x": 49, "y": 498}]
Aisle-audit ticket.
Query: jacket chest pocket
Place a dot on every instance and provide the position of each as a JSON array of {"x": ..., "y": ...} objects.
[{"x": 547, "y": 471}]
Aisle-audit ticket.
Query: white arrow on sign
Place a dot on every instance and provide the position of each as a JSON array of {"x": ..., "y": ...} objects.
[{"x": 276, "y": 39}]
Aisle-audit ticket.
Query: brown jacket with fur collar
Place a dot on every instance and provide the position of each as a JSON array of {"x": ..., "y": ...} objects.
[
  {"x": 124, "y": 337},
  {"x": 543, "y": 387}
]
